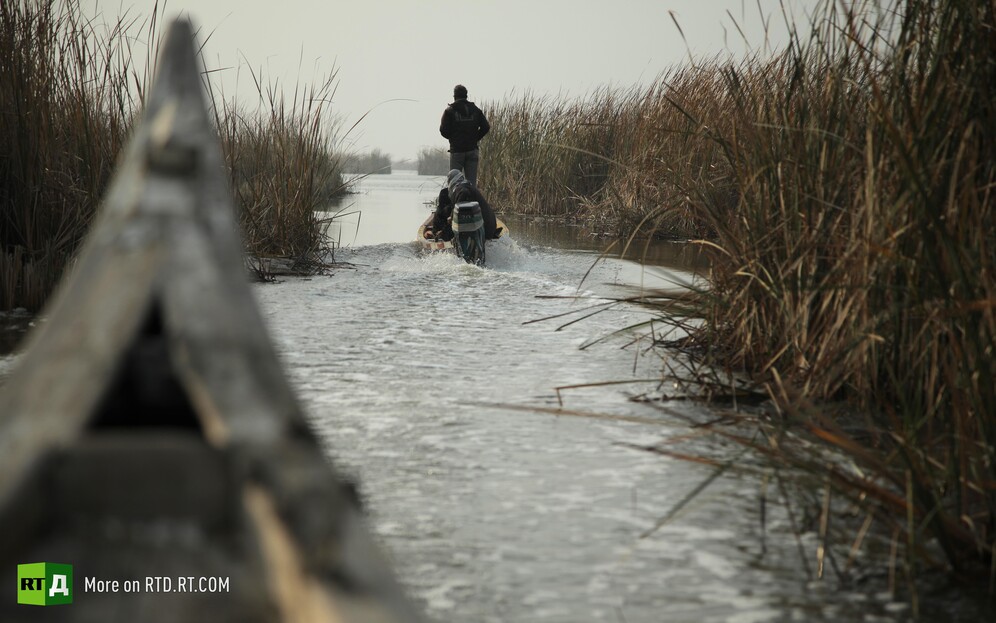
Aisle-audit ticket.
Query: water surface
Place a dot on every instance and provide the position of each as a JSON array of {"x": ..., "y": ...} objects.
[{"x": 419, "y": 372}]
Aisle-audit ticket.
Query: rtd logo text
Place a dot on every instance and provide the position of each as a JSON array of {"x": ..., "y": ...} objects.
[{"x": 44, "y": 584}]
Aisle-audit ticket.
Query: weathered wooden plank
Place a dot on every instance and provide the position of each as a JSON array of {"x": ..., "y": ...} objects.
[{"x": 150, "y": 429}]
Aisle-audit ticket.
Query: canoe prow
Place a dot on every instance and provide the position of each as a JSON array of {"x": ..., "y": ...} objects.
[{"x": 149, "y": 429}]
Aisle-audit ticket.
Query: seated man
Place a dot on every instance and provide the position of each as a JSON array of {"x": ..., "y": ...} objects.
[
  {"x": 440, "y": 228},
  {"x": 460, "y": 190},
  {"x": 460, "y": 187}
]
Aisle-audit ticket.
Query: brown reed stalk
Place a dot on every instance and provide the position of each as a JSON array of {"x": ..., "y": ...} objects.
[
  {"x": 70, "y": 88},
  {"x": 284, "y": 169},
  {"x": 845, "y": 188},
  {"x": 65, "y": 107}
]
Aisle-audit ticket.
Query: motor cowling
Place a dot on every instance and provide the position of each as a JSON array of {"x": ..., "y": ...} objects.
[{"x": 468, "y": 231}]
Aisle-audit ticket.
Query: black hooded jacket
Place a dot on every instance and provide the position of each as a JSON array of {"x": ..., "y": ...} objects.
[
  {"x": 464, "y": 124},
  {"x": 444, "y": 210}
]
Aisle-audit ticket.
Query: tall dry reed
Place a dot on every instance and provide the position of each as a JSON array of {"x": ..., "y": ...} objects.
[
  {"x": 845, "y": 189},
  {"x": 284, "y": 166},
  {"x": 859, "y": 262},
  {"x": 590, "y": 158},
  {"x": 70, "y": 88},
  {"x": 67, "y": 97}
]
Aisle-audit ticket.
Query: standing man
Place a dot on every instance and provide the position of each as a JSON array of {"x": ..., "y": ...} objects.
[{"x": 464, "y": 125}]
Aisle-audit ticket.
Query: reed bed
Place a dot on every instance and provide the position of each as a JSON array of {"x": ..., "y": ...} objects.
[
  {"x": 67, "y": 97},
  {"x": 609, "y": 158},
  {"x": 70, "y": 88},
  {"x": 433, "y": 161},
  {"x": 285, "y": 169},
  {"x": 373, "y": 162},
  {"x": 858, "y": 263},
  {"x": 845, "y": 191}
]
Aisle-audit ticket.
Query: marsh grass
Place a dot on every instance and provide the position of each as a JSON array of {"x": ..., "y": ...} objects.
[
  {"x": 610, "y": 158},
  {"x": 373, "y": 162},
  {"x": 859, "y": 262},
  {"x": 845, "y": 192},
  {"x": 67, "y": 97},
  {"x": 433, "y": 161},
  {"x": 70, "y": 89},
  {"x": 285, "y": 168}
]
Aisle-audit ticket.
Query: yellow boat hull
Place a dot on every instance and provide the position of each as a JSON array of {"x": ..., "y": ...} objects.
[{"x": 432, "y": 244}]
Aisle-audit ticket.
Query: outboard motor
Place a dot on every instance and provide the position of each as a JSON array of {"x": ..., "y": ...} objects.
[{"x": 468, "y": 232}]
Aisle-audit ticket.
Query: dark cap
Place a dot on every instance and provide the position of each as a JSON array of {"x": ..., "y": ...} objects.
[{"x": 459, "y": 92}]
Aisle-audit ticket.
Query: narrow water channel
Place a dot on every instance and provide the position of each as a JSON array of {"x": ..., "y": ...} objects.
[
  {"x": 419, "y": 371},
  {"x": 429, "y": 386}
]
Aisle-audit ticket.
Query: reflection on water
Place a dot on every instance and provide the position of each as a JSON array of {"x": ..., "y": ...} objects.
[
  {"x": 383, "y": 208},
  {"x": 552, "y": 233}
]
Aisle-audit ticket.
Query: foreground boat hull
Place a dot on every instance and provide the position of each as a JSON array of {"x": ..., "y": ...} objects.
[{"x": 149, "y": 433}]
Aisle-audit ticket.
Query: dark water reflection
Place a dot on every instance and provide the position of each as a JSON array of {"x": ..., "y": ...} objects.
[
  {"x": 14, "y": 327},
  {"x": 681, "y": 255}
]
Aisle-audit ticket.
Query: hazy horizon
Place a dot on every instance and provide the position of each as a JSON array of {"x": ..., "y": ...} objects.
[{"x": 398, "y": 61}]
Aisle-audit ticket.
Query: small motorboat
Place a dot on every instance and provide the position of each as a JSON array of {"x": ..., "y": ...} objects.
[{"x": 467, "y": 230}]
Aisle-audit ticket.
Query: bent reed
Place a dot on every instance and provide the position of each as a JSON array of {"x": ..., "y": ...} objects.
[
  {"x": 845, "y": 190},
  {"x": 70, "y": 88}
]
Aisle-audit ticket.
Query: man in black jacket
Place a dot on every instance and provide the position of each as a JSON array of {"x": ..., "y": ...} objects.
[
  {"x": 458, "y": 186},
  {"x": 464, "y": 124}
]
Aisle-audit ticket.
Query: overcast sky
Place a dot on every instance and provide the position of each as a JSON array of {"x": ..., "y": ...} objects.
[{"x": 398, "y": 60}]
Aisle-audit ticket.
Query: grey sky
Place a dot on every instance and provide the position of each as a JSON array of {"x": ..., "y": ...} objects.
[{"x": 418, "y": 49}]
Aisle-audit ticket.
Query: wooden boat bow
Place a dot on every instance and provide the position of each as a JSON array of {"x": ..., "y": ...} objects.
[{"x": 149, "y": 429}]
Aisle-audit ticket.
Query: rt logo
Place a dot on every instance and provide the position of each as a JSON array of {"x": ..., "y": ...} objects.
[{"x": 44, "y": 584}]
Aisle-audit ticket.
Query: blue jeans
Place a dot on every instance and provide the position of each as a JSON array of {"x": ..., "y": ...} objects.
[{"x": 466, "y": 161}]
